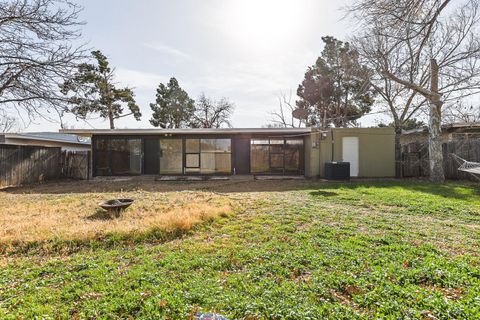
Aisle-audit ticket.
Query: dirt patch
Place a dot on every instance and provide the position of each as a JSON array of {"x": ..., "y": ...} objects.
[{"x": 106, "y": 186}]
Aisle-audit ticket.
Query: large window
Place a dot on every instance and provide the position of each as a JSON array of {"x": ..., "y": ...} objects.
[
  {"x": 118, "y": 156},
  {"x": 293, "y": 155},
  {"x": 216, "y": 156},
  {"x": 276, "y": 156},
  {"x": 208, "y": 156},
  {"x": 171, "y": 153}
]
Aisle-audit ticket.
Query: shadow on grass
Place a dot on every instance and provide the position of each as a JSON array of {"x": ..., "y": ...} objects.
[
  {"x": 324, "y": 193},
  {"x": 101, "y": 214},
  {"x": 451, "y": 189}
]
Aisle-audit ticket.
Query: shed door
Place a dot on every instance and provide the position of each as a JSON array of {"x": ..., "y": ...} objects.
[{"x": 350, "y": 154}]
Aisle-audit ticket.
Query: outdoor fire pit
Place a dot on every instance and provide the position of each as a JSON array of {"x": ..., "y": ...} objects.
[{"x": 116, "y": 205}]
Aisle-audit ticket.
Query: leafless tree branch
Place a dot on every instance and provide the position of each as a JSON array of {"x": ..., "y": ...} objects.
[
  {"x": 282, "y": 117},
  {"x": 212, "y": 113},
  {"x": 37, "y": 54}
]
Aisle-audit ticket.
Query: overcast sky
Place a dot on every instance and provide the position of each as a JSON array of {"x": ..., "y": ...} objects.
[{"x": 245, "y": 50}]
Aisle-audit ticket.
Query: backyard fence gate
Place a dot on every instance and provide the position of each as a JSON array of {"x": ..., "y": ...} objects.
[{"x": 75, "y": 164}]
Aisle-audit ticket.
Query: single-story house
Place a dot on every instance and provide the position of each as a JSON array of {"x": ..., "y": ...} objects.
[
  {"x": 67, "y": 142},
  {"x": 282, "y": 151},
  {"x": 450, "y": 132}
]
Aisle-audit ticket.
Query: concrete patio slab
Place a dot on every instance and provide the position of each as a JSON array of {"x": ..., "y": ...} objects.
[{"x": 279, "y": 178}]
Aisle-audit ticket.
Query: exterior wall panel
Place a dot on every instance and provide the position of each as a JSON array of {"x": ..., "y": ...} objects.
[
  {"x": 376, "y": 150},
  {"x": 326, "y": 146},
  {"x": 312, "y": 155}
]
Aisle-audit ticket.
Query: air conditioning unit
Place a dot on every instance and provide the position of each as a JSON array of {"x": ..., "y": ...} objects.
[{"x": 337, "y": 170}]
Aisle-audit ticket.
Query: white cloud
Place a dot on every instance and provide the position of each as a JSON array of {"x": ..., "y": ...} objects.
[
  {"x": 139, "y": 79},
  {"x": 168, "y": 50}
]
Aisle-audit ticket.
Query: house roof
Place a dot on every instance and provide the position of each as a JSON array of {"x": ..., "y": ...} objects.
[
  {"x": 50, "y": 137},
  {"x": 448, "y": 127},
  {"x": 90, "y": 132}
]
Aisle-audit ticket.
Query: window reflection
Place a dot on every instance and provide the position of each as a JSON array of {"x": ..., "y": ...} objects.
[
  {"x": 102, "y": 166},
  {"x": 171, "y": 154},
  {"x": 212, "y": 156},
  {"x": 116, "y": 156},
  {"x": 276, "y": 155}
]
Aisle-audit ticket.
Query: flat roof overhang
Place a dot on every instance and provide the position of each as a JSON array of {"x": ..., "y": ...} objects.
[
  {"x": 33, "y": 138},
  {"x": 91, "y": 132}
]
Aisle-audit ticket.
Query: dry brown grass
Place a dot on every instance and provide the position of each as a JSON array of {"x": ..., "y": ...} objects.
[
  {"x": 54, "y": 212},
  {"x": 41, "y": 216}
]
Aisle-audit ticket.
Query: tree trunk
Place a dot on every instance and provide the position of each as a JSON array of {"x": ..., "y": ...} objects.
[
  {"x": 112, "y": 126},
  {"x": 398, "y": 154},
  {"x": 110, "y": 117},
  {"x": 434, "y": 129}
]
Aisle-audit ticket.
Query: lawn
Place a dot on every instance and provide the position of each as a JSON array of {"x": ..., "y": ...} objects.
[{"x": 259, "y": 250}]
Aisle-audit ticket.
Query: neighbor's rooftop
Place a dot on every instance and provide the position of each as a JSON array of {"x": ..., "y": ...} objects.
[
  {"x": 47, "y": 137},
  {"x": 457, "y": 126}
]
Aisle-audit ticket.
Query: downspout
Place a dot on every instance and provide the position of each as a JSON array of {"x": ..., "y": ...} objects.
[{"x": 333, "y": 142}]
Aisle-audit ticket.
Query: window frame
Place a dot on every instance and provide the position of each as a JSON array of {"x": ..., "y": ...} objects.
[
  {"x": 107, "y": 139},
  {"x": 272, "y": 147},
  {"x": 198, "y": 170}
]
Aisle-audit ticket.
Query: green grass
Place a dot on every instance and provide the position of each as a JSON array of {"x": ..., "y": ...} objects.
[{"x": 359, "y": 250}]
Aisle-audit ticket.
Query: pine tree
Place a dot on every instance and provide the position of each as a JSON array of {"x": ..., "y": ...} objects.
[
  {"x": 173, "y": 108},
  {"x": 94, "y": 91}
]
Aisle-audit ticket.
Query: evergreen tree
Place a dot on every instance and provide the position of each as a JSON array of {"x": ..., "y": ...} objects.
[
  {"x": 173, "y": 108},
  {"x": 336, "y": 90},
  {"x": 94, "y": 91}
]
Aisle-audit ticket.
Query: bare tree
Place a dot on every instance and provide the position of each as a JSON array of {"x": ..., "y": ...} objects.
[
  {"x": 212, "y": 113},
  {"x": 8, "y": 123},
  {"x": 462, "y": 112},
  {"x": 401, "y": 102},
  {"x": 37, "y": 54},
  {"x": 283, "y": 117},
  {"x": 437, "y": 49}
]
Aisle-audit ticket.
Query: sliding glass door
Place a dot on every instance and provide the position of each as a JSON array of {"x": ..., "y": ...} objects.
[
  {"x": 171, "y": 156},
  {"x": 215, "y": 156},
  {"x": 118, "y": 156},
  {"x": 276, "y": 156},
  {"x": 293, "y": 155},
  {"x": 259, "y": 156},
  {"x": 208, "y": 156}
]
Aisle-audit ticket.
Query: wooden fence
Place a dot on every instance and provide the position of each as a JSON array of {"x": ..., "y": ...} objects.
[
  {"x": 415, "y": 158},
  {"x": 28, "y": 164},
  {"x": 20, "y": 165},
  {"x": 75, "y": 165}
]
